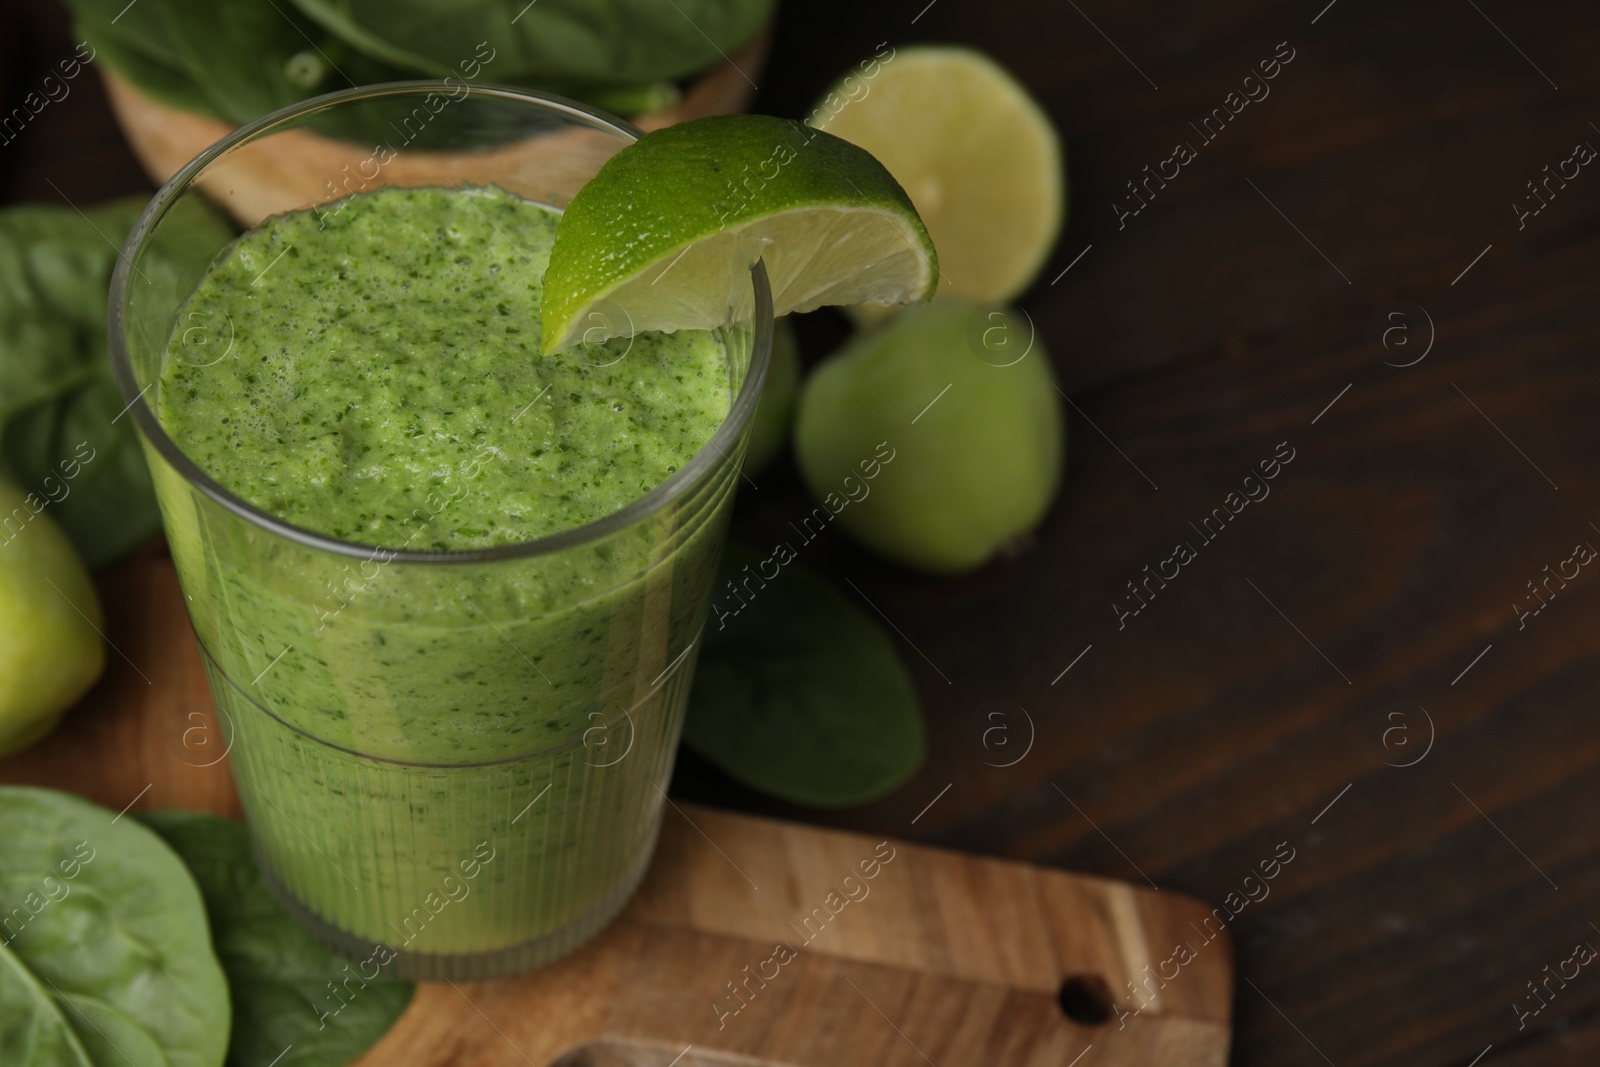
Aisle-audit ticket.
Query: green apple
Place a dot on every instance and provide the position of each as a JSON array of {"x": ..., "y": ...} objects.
[
  {"x": 51, "y": 650},
  {"x": 962, "y": 399}
]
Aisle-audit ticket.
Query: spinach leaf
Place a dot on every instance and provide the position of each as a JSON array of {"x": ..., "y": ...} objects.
[
  {"x": 239, "y": 60},
  {"x": 140, "y": 27},
  {"x": 234, "y": 61},
  {"x": 282, "y": 980},
  {"x": 112, "y": 1038},
  {"x": 108, "y": 508},
  {"x": 103, "y": 918},
  {"x": 33, "y": 1032},
  {"x": 163, "y": 84},
  {"x": 62, "y": 431},
  {"x": 798, "y": 693},
  {"x": 134, "y": 43},
  {"x": 249, "y": 57},
  {"x": 597, "y": 41},
  {"x": 238, "y": 52}
]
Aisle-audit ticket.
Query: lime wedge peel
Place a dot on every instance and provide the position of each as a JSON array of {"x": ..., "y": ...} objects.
[{"x": 664, "y": 236}]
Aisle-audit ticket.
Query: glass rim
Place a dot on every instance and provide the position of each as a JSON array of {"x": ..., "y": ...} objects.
[{"x": 719, "y": 446}]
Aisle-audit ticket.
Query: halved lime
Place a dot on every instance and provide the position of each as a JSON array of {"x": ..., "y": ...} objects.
[
  {"x": 981, "y": 160},
  {"x": 665, "y": 234}
]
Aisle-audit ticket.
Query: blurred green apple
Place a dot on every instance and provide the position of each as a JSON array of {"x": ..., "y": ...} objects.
[
  {"x": 51, "y": 651},
  {"x": 963, "y": 398}
]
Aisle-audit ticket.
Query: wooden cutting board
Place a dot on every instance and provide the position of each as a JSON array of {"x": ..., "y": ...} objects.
[{"x": 940, "y": 958}]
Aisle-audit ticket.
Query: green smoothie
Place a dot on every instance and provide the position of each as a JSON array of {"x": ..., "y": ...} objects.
[{"x": 459, "y": 756}]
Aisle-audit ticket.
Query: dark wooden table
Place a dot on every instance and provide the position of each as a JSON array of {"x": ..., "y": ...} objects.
[{"x": 1342, "y": 668}]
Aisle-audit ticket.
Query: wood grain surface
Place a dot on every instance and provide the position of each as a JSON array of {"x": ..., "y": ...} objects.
[{"x": 1358, "y": 619}]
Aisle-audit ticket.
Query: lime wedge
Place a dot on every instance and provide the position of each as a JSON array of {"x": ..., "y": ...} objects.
[
  {"x": 979, "y": 157},
  {"x": 664, "y": 236}
]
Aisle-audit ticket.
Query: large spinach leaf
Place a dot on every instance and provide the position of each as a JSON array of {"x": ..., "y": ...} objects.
[
  {"x": 250, "y": 57},
  {"x": 234, "y": 61},
  {"x": 132, "y": 40},
  {"x": 596, "y": 41},
  {"x": 63, "y": 431},
  {"x": 140, "y": 27},
  {"x": 104, "y": 921},
  {"x": 283, "y": 982},
  {"x": 239, "y": 53},
  {"x": 33, "y": 1032},
  {"x": 798, "y": 693},
  {"x": 239, "y": 60}
]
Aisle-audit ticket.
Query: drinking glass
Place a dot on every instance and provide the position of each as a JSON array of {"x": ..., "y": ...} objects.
[{"x": 452, "y": 763}]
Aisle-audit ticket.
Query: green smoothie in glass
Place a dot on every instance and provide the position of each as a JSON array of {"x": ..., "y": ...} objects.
[
  {"x": 448, "y": 587},
  {"x": 383, "y": 385}
]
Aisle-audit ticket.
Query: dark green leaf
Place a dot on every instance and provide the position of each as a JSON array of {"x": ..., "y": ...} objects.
[
  {"x": 281, "y": 979},
  {"x": 234, "y": 61},
  {"x": 139, "y": 27},
  {"x": 30, "y": 370},
  {"x": 163, "y": 84},
  {"x": 238, "y": 53},
  {"x": 33, "y": 1032},
  {"x": 109, "y": 508},
  {"x": 57, "y": 397},
  {"x": 798, "y": 693},
  {"x": 611, "y": 42},
  {"x": 105, "y": 920},
  {"x": 242, "y": 59},
  {"x": 249, "y": 57},
  {"x": 132, "y": 40}
]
